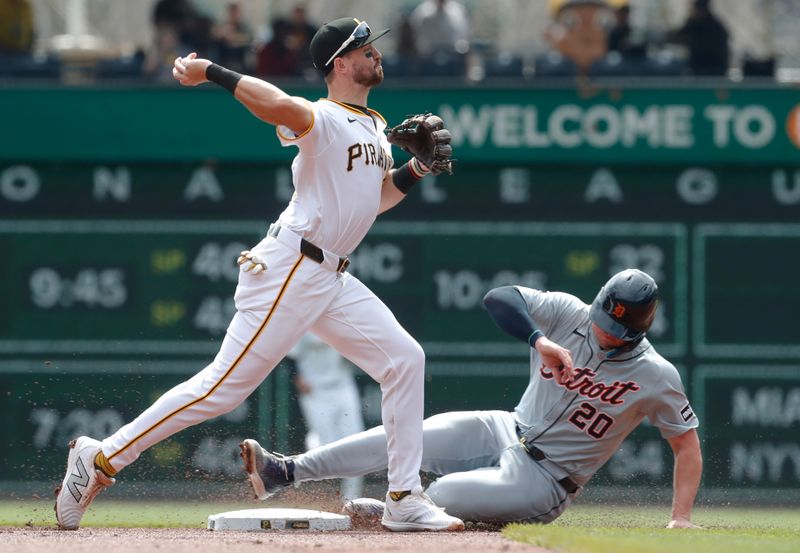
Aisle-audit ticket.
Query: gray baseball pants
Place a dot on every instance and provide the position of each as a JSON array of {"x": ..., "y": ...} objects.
[{"x": 485, "y": 474}]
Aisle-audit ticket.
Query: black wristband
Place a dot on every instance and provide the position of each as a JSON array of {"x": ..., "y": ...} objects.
[
  {"x": 535, "y": 335},
  {"x": 404, "y": 178},
  {"x": 223, "y": 77}
]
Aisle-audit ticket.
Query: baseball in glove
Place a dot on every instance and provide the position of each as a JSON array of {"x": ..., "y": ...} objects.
[{"x": 425, "y": 137}]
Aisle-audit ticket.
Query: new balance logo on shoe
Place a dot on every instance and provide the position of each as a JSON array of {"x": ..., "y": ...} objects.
[{"x": 81, "y": 478}]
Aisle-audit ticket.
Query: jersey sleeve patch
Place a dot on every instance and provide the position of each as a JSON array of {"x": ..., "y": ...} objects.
[{"x": 687, "y": 413}]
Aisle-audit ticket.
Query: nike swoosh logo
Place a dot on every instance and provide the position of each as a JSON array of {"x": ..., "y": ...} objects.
[{"x": 351, "y": 120}]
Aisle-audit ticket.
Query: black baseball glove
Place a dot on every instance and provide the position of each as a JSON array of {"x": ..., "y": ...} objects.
[{"x": 425, "y": 137}]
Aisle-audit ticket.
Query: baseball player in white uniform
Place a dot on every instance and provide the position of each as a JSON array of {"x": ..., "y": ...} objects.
[
  {"x": 295, "y": 281},
  {"x": 328, "y": 398},
  {"x": 594, "y": 377}
]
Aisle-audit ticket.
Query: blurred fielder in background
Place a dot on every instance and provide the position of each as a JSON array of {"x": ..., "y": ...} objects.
[{"x": 328, "y": 399}]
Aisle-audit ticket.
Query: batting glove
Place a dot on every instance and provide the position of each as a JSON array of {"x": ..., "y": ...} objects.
[{"x": 251, "y": 262}]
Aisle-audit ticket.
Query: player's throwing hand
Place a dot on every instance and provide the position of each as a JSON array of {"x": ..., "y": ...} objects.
[{"x": 191, "y": 70}]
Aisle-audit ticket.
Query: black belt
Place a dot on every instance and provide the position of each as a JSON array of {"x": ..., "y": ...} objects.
[
  {"x": 537, "y": 455},
  {"x": 311, "y": 251}
]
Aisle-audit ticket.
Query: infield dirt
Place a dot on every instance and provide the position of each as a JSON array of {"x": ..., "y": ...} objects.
[{"x": 135, "y": 540}]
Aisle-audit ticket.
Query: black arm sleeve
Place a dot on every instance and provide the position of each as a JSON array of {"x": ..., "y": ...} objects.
[{"x": 508, "y": 310}]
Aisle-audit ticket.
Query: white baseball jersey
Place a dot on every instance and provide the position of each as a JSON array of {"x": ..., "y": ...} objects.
[{"x": 338, "y": 175}]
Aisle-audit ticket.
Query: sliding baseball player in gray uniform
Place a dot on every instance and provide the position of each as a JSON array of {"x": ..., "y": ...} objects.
[{"x": 594, "y": 377}]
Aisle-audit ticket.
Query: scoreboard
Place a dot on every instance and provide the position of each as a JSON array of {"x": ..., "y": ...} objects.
[
  {"x": 119, "y": 278},
  {"x": 119, "y": 251},
  {"x": 166, "y": 287},
  {"x": 746, "y": 278}
]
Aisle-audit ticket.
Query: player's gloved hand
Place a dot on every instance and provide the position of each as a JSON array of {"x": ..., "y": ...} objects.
[
  {"x": 556, "y": 358},
  {"x": 683, "y": 523},
  {"x": 250, "y": 262},
  {"x": 424, "y": 137}
]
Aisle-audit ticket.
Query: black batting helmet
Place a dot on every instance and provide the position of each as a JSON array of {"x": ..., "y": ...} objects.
[{"x": 626, "y": 305}]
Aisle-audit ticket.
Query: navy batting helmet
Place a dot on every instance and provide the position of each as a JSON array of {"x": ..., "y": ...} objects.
[{"x": 626, "y": 305}]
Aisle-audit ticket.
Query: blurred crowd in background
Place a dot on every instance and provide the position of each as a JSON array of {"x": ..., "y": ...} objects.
[{"x": 86, "y": 41}]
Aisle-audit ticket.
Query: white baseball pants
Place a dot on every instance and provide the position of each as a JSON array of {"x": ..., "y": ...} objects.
[{"x": 274, "y": 309}]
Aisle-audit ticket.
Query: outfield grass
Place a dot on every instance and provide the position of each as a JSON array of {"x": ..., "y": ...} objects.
[{"x": 596, "y": 529}]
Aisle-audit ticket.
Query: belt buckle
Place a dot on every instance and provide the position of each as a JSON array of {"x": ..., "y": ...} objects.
[
  {"x": 524, "y": 444},
  {"x": 344, "y": 263}
]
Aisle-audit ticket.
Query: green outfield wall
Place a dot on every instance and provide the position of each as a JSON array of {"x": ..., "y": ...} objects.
[
  {"x": 593, "y": 125},
  {"x": 122, "y": 212}
]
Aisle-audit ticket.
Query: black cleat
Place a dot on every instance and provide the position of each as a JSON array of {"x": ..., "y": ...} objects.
[{"x": 267, "y": 472}]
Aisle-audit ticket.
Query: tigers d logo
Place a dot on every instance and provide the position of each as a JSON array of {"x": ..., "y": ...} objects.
[{"x": 619, "y": 311}]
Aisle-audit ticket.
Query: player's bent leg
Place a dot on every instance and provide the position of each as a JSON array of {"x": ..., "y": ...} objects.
[
  {"x": 458, "y": 441},
  {"x": 356, "y": 455},
  {"x": 81, "y": 484},
  {"x": 452, "y": 442},
  {"x": 519, "y": 489},
  {"x": 254, "y": 343}
]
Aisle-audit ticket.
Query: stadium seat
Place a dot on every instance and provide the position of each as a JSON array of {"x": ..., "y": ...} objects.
[
  {"x": 664, "y": 64},
  {"x": 504, "y": 64},
  {"x": 554, "y": 65},
  {"x": 758, "y": 67},
  {"x": 398, "y": 67},
  {"x": 120, "y": 68},
  {"x": 30, "y": 67},
  {"x": 443, "y": 64},
  {"x": 614, "y": 64}
]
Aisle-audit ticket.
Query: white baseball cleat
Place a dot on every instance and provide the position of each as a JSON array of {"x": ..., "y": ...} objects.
[
  {"x": 416, "y": 512},
  {"x": 364, "y": 512},
  {"x": 81, "y": 483}
]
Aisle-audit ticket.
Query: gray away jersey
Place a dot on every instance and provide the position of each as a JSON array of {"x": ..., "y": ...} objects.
[{"x": 579, "y": 426}]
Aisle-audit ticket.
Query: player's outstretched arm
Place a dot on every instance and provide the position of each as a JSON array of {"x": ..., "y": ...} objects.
[
  {"x": 264, "y": 100},
  {"x": 509, "y": 311},
  {"x": 686, "y": 478}
]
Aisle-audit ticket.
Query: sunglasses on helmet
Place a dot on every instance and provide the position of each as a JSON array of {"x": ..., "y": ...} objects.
[{"x": 357, "y": 38}]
